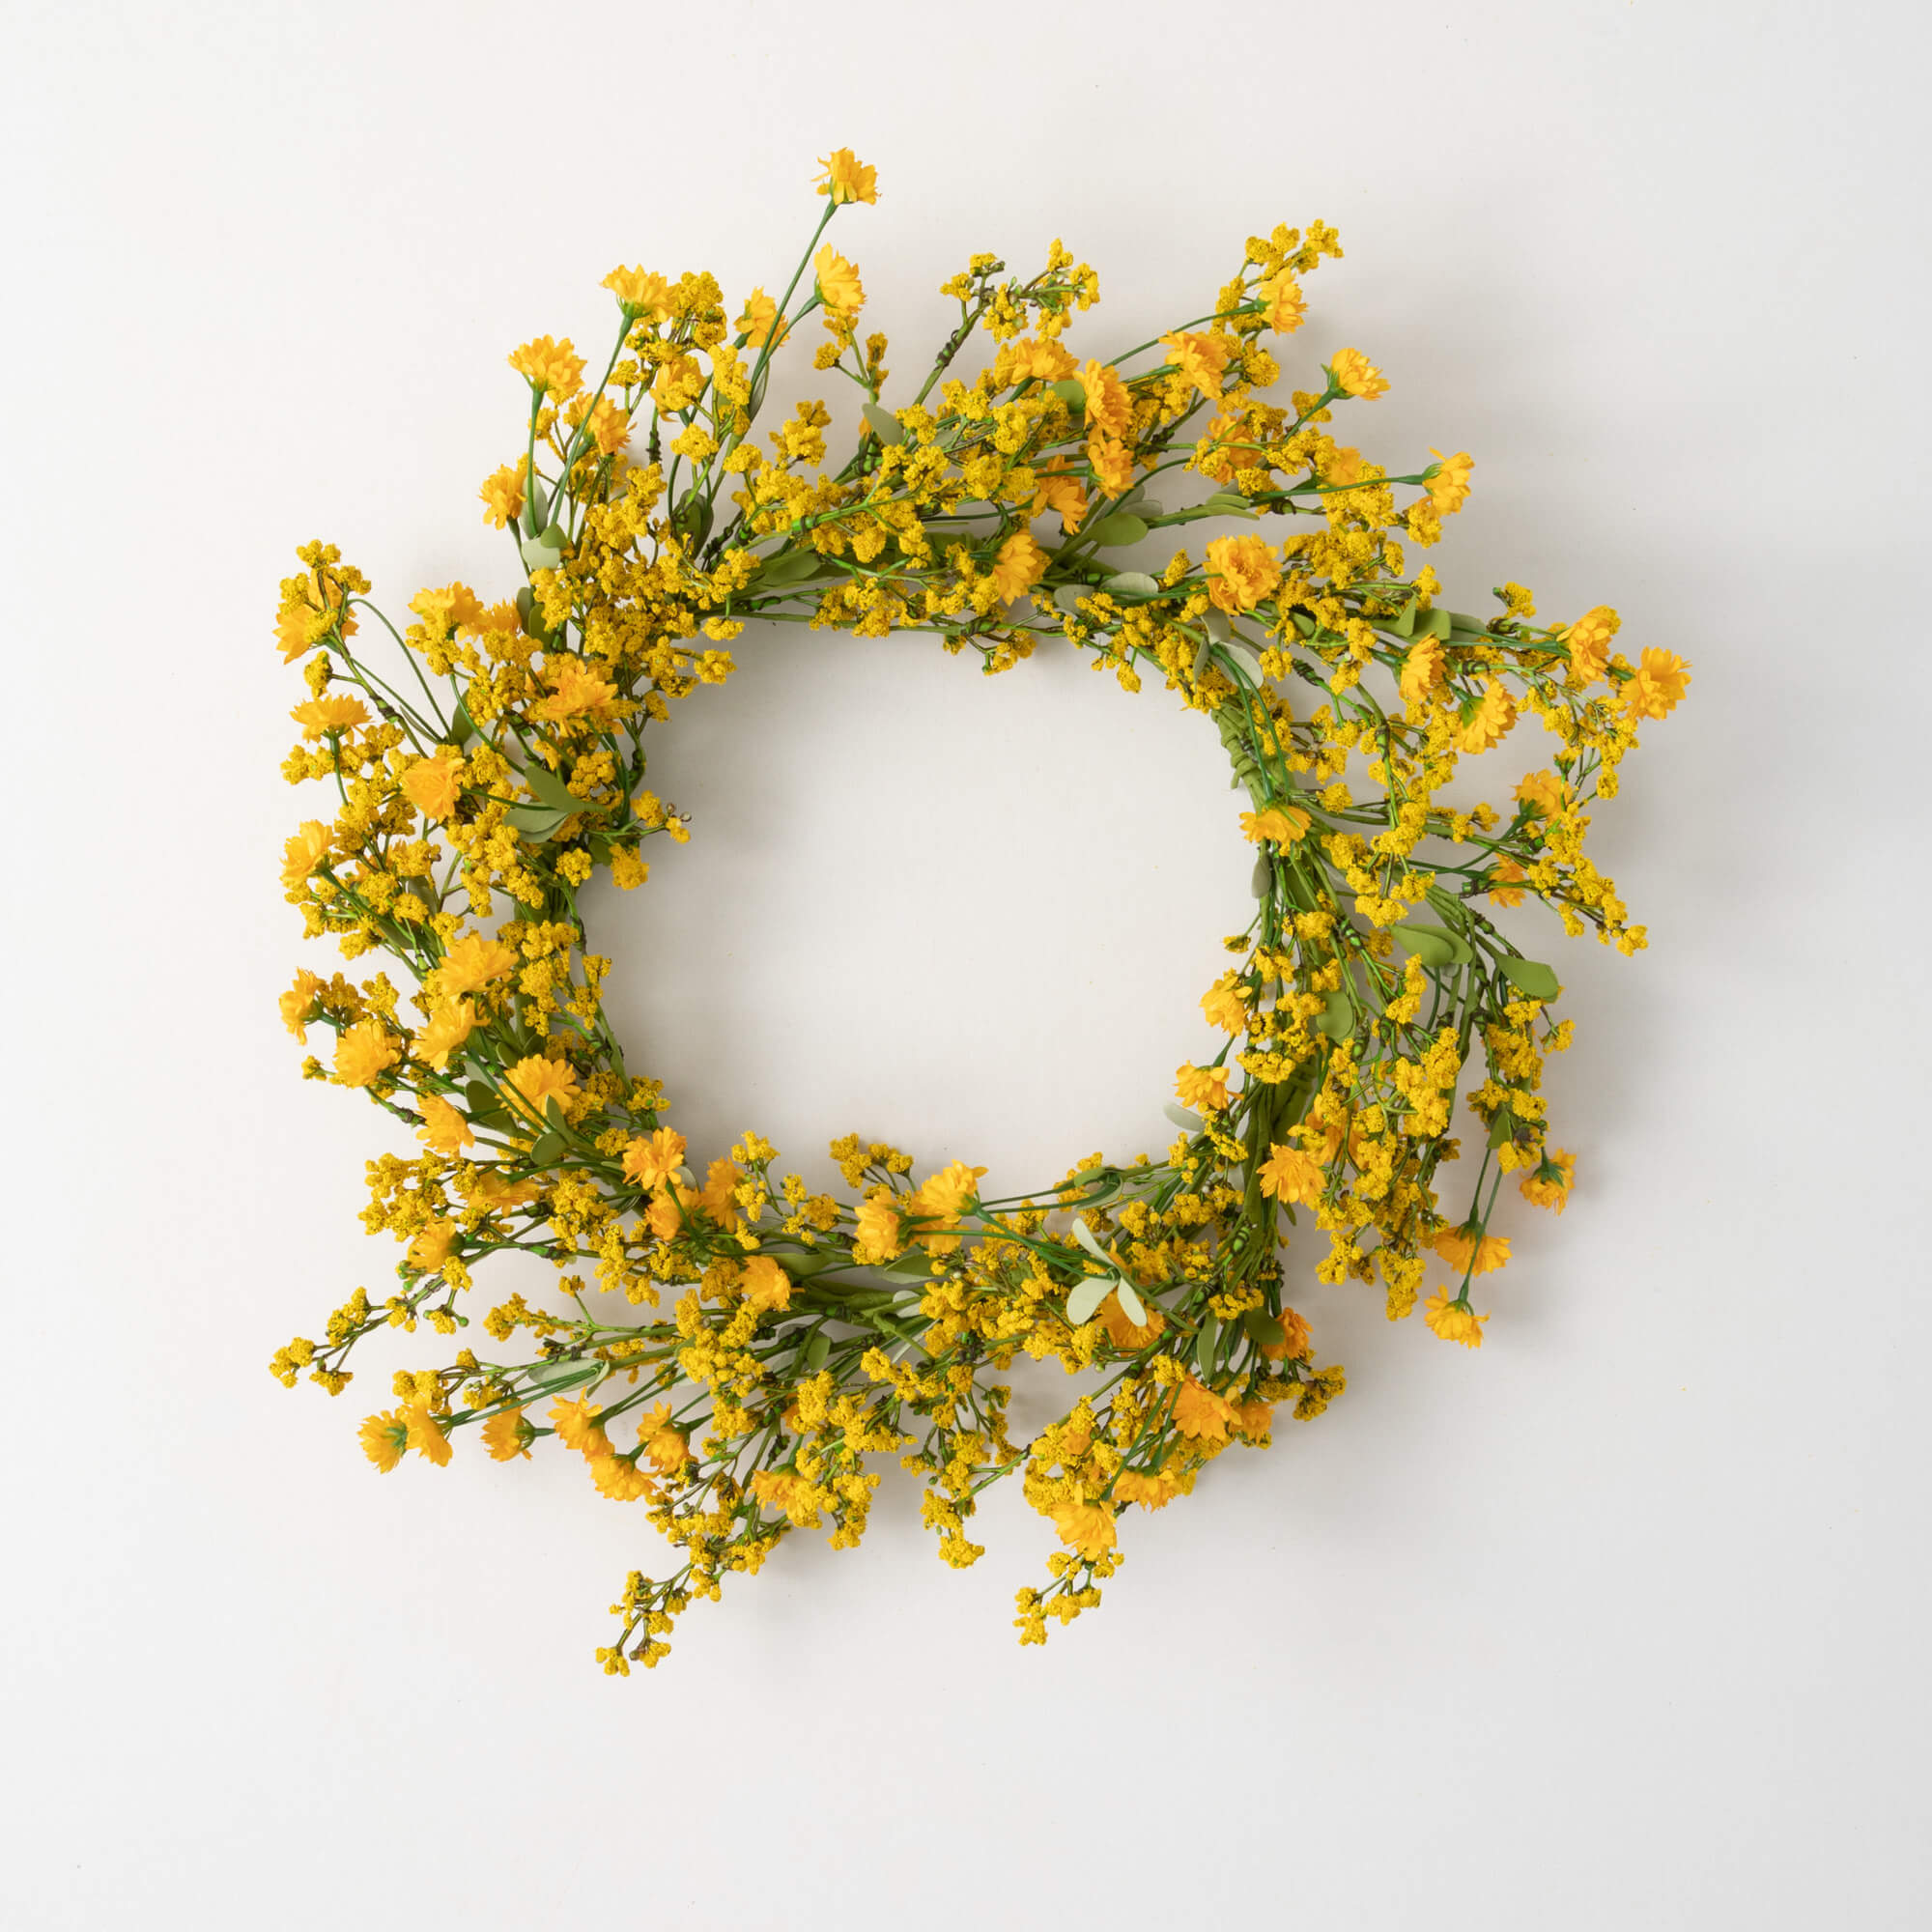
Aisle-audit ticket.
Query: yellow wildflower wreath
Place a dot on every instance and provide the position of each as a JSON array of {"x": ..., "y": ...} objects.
[{"x": 804, "y": 1332}]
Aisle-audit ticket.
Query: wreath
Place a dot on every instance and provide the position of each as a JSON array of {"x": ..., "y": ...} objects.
[{"x": 731, "y": 1350}]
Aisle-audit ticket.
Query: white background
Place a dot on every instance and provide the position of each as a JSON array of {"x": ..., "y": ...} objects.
[{"x": 1619, "y": 1621}]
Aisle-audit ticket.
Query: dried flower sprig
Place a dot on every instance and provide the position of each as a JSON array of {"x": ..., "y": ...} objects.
[{"x": 805, "y": 1332}]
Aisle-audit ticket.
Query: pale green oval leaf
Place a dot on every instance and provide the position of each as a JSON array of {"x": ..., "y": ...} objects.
[
  {"x": 1131, "y": 584},
  {"x": 1083, "y": 1301},
  {"x": 1122, "y": 528},
  {"x": 885, "y": 426},
  {"x": 1531, "y": 977}
]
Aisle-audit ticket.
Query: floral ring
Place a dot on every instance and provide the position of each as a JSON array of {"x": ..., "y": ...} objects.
[{"x": 729, "y": 1351}]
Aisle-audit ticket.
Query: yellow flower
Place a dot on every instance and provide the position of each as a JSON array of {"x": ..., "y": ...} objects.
[
  {"x": 1284, "y": 305},
  {"x": 759, "y": 320},
  {"x": 619, "y": 1478},
  {"x": 1295, "y": 1340},
  {"x": 1020, "y": 564},
  {"x": 1449, "y": 488},
  {"x": 537, "y": 1079},
  {"x": 1453, "y": 1320},
  {"x": 838, "y": 286},
  {"x": 506, "y": 1436},
  {"x": 1357, "y": 375},
  {"x": 553, "y": 367},
  {"x": 1456, "y": 1245},
  {"x": 575, "y": 689},
  {"x": 765, "y": 1284},
  {"x": 1201, "y": 358},
  {"x": 1421, "y": 668},
  {"x": 1223, "y": 1004},
  {"x": 666, "y": 1447},
  {"x": 1028, "y": 361},
  {"x": 472, "y": 963},
  {"x": 298, "y": 1003},
  {"x": 364, "y": 1052},
  {"x": 1126, "y": 1334},
  {"x": 1661, "y": 679},
  {"x": 385, "y": 1438},
  {"x": 1201, "y": 1088},
  {"x": 876, "y": 1236},
  {"x": 431, "y": 1248},
  {"x": 1241, "y": 570},
  {"x": 443, "y": 1129},
  {"x": 640, "y": 293},
  {"x": 1152, "y": 1492},
  {"x": 1058, "y": 491},
  {"x": 1202, "y": 1414},
  {"x": 1109, "y": 405},
  {"x": 577, "y": 1427},
  {"x": 1549, "y": 1187},
  {"x": 1490, "y": 722},
  {"x": 454, "y": 607},
  {"x": 648, "y": 1162},
  {"x": 679, "y": 384},
  {"x": 1589, "y": 642},
  {"x": 942, "y": 1197},
  {"x": 434, "y": 785},
  {"x": 502, "y": 495},
  {"x": 1504, "y": 883},
  {"x": 786, "y": 1491},
  {"x": 1113, "y": 465},
  {"x": 1545, "y": 793},
  {"x": 1254, "y": 1419},
  {"x": 426, "y": 1433},
  {"x": 847, "y": 178},
  {"x": 609, "y": 427},
  {"x": 1088, "y": 1527},
  {"x": 1282, "y": 823},
  {"x": 664, "y": 1217},
  {"x": 450, "y": 1026},
  {"x": 1289, "y": 1174},
  {"x": 720, "y": 1178},
  {"x": 330, "y": 714},
  {"x": 304, "y": 852}
]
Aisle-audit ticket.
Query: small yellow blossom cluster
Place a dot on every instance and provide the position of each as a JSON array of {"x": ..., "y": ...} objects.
[{"x": 728, "y": 1350}]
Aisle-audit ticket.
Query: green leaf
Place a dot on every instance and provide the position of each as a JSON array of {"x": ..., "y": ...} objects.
[
  {"x": 1082, "y": 1301},
  {"x": 1122, "y": 528},
  {"x": 1431, "y": 623},
  {"x": 1261, "y": 879},
  {"x": 817, "y": 1350},
  {"x": 1188, "y": 1123},
  {"x": 1529, "y": 977},
  {"x": 1433, "y": 944},
  {"x": 539, "y": 555},
  {"x": 1337, "y": 1018},
  {"x": 553, "y": 1114},
  {"x": 885, "y": 426},
  {"x": 788, "y": 567},
  {"x": 552, "y": 1376},
  {"x": 1404, "y": 626},
  {"x": 1083, "y": 1235},
  {"x": 461, "y": 729},
  {"x": 1073, "y": 394},
  {"x": 1228, "y": 503},
  {"x": 1131, "y": 1305},
  {"x": 484, "y": 1105},
  {"x": 537, "y": 822},
  {"x": 1502, "y": 1129},
  {"x": 1215, "y": 623},
  {"x": 551, "y": 790},
  {"x": 1206, "y": 1344},
  {"x": 549, "y": 1149},
  {"x": 1131, "y": 584},
  {"x": 1263, "y": 1327},
  {"x": 909, "y": 1267}
]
